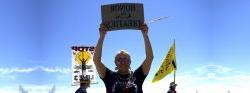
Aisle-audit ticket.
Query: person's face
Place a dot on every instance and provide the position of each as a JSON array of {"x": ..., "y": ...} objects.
[
  {"x": 173, "y": 87},
  {"x": 85, "y": 85},
  {"x": 122, "y": 62}
]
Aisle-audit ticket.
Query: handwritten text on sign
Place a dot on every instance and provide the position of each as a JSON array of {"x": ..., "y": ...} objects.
[{"x": 122, "y": 15}]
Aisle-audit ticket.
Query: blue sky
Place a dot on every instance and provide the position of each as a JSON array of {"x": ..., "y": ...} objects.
[{"x": 211, "y": 42}]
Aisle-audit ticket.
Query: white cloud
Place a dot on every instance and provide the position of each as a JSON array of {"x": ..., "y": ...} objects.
[
  {"x": 63, "y": 71},
  {"x": 213, "y": 69},
  {"x": 31, "y": 69},
  {"x": 46, "y": 88},
  {"x": 235, "y": 81},
  {"x": 57, "y": 70},
  {"x": 215, "y": 79},
  {"x": 8, "y": 89},
  {"x": 7, "y": 73},
  {"x": 17, "y": 70}
]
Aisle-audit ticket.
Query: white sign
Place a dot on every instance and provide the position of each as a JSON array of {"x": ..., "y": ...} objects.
[
  {"x": 82, "y": 64},
  {"x": 122, "y": 15}
]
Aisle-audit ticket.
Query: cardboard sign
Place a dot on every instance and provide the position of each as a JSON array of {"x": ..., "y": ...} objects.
[
  {"x": 122, "y": 15},
  {"x": 82, "y": 64}
]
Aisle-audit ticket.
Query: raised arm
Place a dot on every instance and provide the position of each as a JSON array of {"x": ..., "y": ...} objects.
[
  {"x": 146, "y": 65},
  {"x": 98, "y": 52}
]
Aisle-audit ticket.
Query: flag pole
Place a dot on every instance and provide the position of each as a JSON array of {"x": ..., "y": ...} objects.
[
  {"x": 174, "y": 75},
  {"x": 155, "y": 20},
  {"x": 175, "y": 64}
]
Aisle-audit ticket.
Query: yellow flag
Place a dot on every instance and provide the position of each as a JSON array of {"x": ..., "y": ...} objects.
[{"x": 168, "y": 65}]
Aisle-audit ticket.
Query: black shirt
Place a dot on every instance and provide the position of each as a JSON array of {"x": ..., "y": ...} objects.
[
  {"x": 171, "y": 91},
  {"x": 130, "y": 83},
  {"x": 81, "y": 90}
]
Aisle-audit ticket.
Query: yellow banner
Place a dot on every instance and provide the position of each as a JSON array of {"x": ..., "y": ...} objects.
[{"x": 167, "y": 66}]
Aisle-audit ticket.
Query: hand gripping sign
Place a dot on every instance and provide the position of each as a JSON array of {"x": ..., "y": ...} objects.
[
  {"x": 122, "y": 16},
  {"x": 82, "y": 64}
]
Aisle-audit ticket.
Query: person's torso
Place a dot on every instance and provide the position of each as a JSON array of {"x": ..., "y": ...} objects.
[
  {"x": 124, "y": 84},
  {"x": 130, "y": 83},
  {"x": 81, "y": 90},
  {"x": 172, "y": 91}
]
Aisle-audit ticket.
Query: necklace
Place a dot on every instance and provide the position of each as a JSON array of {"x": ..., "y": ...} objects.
[
  {"x": 127, "y": 78},
  {"x": 126, "y": 83}
]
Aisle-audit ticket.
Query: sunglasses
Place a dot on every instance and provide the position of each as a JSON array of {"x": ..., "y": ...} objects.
[{"x": 122, "y": 60}]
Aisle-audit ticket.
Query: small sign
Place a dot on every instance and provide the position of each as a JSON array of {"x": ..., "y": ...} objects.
[
  {"x": 122, "y": 15},
  {"x": 83, "y": 67}
]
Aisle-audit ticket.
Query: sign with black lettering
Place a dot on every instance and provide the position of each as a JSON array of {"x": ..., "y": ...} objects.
[
  {"x": 83, "y": 67},
  {"x": 122, "y": 16}
]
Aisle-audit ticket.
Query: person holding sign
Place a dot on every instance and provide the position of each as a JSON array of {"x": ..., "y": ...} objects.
[
  {"x": 123, "y": 80},
  {"x": 84, "y": 84},
  {"x": 172, "y": 88}
]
